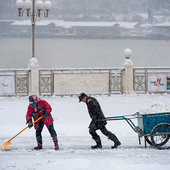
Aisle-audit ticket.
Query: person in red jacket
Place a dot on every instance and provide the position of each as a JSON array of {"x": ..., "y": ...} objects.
[{"x": 36, "y": 109}]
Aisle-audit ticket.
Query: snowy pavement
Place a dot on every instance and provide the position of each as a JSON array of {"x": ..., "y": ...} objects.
[{"x": 71, "y": 123}]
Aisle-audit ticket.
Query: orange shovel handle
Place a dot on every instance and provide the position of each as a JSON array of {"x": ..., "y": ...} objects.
[{"x": 25, "y": 128}]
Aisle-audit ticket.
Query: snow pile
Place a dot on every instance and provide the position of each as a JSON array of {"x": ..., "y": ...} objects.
[
  {"x": 156, "y": 108},
  {"x": 33, "y": 62},
  {"x": 67, "y": 24},
  {"x": 128, "y": 62}
]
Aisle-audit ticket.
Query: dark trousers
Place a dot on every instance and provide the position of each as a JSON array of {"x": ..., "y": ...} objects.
[
  {"x": 107, "y": 133},
  {"x": 39, "y": 130}
]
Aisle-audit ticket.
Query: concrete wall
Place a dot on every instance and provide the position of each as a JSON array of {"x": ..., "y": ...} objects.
[{"x": 75, "y": 83}]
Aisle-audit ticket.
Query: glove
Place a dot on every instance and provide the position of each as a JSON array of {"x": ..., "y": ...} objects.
[{"x": 29, "y": 122}]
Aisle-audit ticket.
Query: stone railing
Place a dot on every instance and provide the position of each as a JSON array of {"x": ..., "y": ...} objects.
[
  {"x": 14, "y": 82},
  {"x": 152, "y": 80},
  {"x": 18, "y": 82},
  {"x": 75, "y": 81}
]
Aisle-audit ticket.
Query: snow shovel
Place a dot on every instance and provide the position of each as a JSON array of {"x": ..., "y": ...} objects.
[{"x": 9, "y": 141}]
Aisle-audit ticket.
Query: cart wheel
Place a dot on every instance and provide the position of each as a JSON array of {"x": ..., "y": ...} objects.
[
  {"x": 160, "y": 136},
  {"x": 148, "y": 140}
]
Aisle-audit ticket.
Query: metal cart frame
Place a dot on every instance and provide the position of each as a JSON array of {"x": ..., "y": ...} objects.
[{"x": 155, "y": 128}]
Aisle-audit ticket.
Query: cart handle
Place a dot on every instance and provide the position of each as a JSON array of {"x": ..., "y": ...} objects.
[{"x": 128, "y": 120}]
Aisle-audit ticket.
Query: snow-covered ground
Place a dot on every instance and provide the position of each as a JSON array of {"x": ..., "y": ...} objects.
[{"x": 71, "y": 123}]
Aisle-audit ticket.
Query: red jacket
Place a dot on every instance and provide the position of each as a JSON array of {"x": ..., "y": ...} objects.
[{"x": 42, "y": 104}]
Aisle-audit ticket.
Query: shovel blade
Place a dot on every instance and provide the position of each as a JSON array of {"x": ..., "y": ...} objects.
[{"x": 5, "y": 145}]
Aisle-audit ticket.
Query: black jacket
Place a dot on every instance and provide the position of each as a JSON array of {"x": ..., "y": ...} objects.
[{"x": 95, "y": 112}]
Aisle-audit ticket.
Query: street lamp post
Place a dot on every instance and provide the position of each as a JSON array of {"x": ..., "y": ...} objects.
[{"x": 33, "y": 11}]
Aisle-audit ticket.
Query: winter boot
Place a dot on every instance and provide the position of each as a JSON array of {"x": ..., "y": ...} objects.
[
  {"x": 115, "y": 140},
  {"x": 116, "y": 145},
  {"x": 39, "y": 146},
  {"x": 98, "y": 142},
  {"x": 55, "y": 143},
  {"x": 96, "y": 146}
]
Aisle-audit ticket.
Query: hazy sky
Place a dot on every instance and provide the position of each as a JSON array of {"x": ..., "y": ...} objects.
[{"x": 89, "y": 7}]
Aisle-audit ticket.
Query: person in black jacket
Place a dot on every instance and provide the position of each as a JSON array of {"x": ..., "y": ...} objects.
[{"x": 98, "y": 122}]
